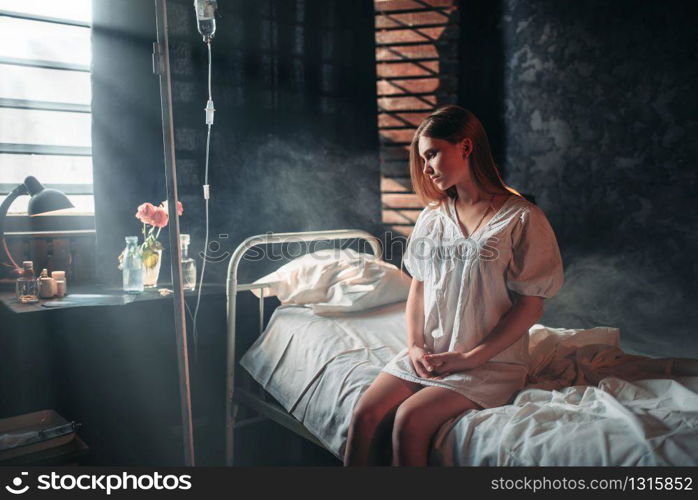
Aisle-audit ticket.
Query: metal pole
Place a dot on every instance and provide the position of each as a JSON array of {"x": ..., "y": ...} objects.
[{"x": 162, "y": 65}]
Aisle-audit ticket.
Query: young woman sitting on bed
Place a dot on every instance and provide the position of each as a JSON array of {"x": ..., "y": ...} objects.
[{"x": 482, "y": 260}]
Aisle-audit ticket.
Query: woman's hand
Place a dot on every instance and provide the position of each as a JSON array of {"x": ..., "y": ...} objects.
[
  {"x": 445, "y": 363},
  {"x": 424, "y": 368}
]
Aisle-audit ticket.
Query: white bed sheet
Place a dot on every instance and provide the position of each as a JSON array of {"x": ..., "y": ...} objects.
[{"x": 587, "y": 402}]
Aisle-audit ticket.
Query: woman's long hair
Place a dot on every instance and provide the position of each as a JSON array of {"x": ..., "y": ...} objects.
[{"x": 453, "y": 124}]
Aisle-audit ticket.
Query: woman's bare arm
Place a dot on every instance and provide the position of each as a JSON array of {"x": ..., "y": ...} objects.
[{"x": 414, "y": 317}]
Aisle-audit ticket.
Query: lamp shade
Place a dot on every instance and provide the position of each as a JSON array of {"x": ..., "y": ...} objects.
[{"x": 44, "y": 200}]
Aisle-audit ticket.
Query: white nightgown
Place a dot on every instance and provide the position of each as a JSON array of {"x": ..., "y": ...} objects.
[{"x": 470, "y": 283}]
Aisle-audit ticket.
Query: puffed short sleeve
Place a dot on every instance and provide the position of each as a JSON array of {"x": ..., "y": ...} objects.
[
  {"x": 416, "y": 256},
  {"x": 536, "y": 265}
]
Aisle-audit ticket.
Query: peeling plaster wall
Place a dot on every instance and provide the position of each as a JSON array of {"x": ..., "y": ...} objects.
[{"x": 600, "y": 126}]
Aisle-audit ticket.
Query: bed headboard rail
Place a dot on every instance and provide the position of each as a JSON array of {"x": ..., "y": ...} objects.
[{"x": 233, "y": 287}]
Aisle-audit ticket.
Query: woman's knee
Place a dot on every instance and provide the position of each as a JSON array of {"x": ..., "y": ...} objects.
[
  {"x": 368, "y": 416},
  {"x": 407, "y": 424}
]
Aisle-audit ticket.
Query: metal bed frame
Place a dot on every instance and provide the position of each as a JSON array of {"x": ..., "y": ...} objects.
[{"x": 244, "y": 395}]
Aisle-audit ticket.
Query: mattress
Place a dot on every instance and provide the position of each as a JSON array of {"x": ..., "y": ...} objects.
[{"x": 586, "y": 402}]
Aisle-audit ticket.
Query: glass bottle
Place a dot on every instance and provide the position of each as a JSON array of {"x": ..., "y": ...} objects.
[
  {"x": 188, "y": 264},
  {"x": 45, "y": 285},
  {"x": 206, "y": 21},
  {"x": 27, "y": 287},
  {"x": 132, "y": 271}
]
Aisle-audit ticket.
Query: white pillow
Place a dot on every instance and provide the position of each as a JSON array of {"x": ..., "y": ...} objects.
[
  {"x": 546, "y": 344},
  {"x": 333, "y": 281}
]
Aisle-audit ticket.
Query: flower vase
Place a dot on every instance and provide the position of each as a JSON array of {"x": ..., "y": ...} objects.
[{"x": 152, "y": 258}]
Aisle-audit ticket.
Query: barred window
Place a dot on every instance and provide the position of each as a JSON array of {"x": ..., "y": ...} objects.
[{"x": 45, "y": 95}]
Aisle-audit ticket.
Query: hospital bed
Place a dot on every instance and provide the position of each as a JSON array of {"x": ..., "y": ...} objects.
[
  {"x": 586, "y": 403},
  {"x": 248, "y": 394}
]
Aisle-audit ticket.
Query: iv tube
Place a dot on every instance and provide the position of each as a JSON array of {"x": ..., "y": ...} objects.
[{"x": 209, "y": 122}]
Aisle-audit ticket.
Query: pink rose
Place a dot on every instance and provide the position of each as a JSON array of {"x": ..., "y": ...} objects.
[
  {"x": 180, "y": 209},
  {"x": 145, "y": 213},
  {"x": 160, "y": 217}
]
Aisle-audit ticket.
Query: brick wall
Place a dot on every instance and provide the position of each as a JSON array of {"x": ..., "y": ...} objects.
[{"x": 416, "y": 70}]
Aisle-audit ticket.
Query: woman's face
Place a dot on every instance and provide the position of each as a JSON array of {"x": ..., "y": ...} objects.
[{"x": 443, "y": 162}]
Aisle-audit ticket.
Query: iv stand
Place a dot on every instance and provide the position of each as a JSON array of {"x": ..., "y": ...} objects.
[{"x": 161, "y": 66}]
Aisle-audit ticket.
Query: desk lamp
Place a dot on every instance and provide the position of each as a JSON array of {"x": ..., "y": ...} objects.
[{"x": 43, "y": 201}]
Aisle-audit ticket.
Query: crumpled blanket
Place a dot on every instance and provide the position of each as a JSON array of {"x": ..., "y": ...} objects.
[
  {"x": 649, "y": 422},
  {"x": 563, "y": 357},
  {"x": 589, "y": 364},
  {"x": 585, "y": 404}
]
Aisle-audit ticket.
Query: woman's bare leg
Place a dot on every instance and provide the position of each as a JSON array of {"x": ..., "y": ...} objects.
[
  {"x": 373, "y": 416},
  {"x": 418, "y": 419}
]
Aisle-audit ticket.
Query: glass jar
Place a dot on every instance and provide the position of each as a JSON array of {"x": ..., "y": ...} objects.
[
  {"x": 27, "y": 287},
  {"x": 132, "y": 270},
  {"x": 188, "y": 264},
  {"x": 152, "y": 259}
]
